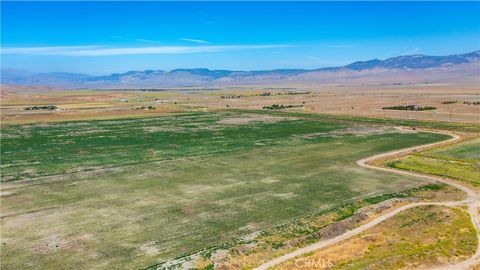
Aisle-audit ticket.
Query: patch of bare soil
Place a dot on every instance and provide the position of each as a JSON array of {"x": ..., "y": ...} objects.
[
  {"x": 149, "y": 248},
  {"x": 247, "y": 119},
  {"x": 162, "y": 129},
  {"x": 354, "y": 130},
  {"x": 5, "y": 193}
]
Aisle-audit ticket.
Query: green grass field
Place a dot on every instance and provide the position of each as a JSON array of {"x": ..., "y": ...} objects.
[
  {"x": 468, "y": 151},
  {"x": 39, "y": 150},
  {"x": 149, "y": 190},
  {"x": 460, "y": 161}
]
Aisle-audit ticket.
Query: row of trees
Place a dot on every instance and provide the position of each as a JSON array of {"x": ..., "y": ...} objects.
[
  {"x": 409, "y": 108},
  {"x": 144, "y": 108},
  {"x": 289, "y": 93},
  {"x": 231, "y": 96},
  {"x": 279, "y": 107},
  {"x": 46, "y": 107}
]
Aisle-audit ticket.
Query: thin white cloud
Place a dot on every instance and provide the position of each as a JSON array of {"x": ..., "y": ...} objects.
[
  {"x": 195, "y": 40},
  {"x": 314, "y": 58},
  {"x": 135, "y": 39},
  {"x": 147, "y": 40},
  {"x": 110, "y": 51},
  {"x": 45, "y": 50}
]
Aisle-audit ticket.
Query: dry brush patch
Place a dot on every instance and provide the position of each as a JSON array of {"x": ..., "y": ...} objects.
[{"x": 420, "y": 237}]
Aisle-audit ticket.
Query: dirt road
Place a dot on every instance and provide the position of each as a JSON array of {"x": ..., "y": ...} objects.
[{"x": 472, "y": 202}]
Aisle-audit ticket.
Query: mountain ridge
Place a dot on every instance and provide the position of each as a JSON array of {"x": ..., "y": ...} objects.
[{"x": 405, "y": 64}]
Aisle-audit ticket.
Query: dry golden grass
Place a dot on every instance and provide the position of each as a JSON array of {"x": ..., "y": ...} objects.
[
  {"x": 366, "y": 101},
  {"x": 80, "y": 105}
]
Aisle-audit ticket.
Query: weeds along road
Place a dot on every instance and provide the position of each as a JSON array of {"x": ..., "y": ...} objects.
[{"x": 472, "y": 202}]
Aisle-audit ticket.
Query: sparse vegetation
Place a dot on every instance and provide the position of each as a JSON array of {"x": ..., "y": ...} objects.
[
  {"x": 449, "y": 102},
  {"x": 106, "y": 104}
]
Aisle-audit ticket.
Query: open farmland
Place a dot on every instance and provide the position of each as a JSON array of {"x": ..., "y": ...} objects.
[
  {"x": 344, "y": 100},
  {"x": 239, "y": 135},
  {"x": 131, "y": 193}
]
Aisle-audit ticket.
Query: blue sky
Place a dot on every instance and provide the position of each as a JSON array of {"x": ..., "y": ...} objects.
[{"x": 106, "y": 37}]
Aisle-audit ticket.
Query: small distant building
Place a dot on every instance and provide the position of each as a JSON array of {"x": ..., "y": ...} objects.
[{"x": 124, "y": 99}]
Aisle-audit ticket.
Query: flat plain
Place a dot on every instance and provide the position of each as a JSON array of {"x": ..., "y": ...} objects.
[
  {"x": 453, "y": 103},
  {"x": 131, "y": 193}
]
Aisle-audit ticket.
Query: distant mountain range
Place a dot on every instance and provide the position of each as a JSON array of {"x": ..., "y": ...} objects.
[{"x": 402, "y": 69}]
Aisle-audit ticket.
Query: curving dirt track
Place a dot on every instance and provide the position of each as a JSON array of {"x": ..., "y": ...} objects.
[{"x": 472, "y": 202}]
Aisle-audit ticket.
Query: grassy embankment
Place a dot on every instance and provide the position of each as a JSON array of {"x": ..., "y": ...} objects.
[
  {"x": 420, "y": 237},
  {"x": 460, "y": 161}
]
